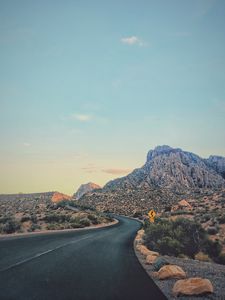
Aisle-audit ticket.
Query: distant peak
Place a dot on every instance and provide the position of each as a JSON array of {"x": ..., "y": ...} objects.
[
  {"x": 158, "y": 150},
  {"x": 85, "y": 188},
  {"x": 162, "y": 148}
]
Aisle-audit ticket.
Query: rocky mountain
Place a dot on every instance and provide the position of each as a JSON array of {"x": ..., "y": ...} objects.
[
  {"x": 217, "y": 163},
  {"x": 174, "y": 169},
  {"x": 85, "y": 188},
  {"x": 168, "y": 176}
]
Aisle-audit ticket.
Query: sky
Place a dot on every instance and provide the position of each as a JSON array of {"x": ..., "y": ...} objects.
[{"x": 87, "y": 88}]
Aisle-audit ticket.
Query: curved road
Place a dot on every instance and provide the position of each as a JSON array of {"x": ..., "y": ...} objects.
[{"x": 80, "y": 265}]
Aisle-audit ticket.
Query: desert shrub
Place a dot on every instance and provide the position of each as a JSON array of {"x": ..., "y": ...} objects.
[
  {"x": 181, "y": 212},
  {"x": 3, "y": 220},
  {"x": 169, "y": 246},
  {"x": 221, "y": 259},
  {"x": 206, "y": 217},
  {"x": 85, "y": 222},
  {"x": 64, "y": 203},
  {"x": 212, "y": 230},
  {"x": 213, "y": 248},
  {"x": 168, "y": 208},
  {"x": 33, "y": 218},
  {"x": 181, "y": 236},
  {"x": 11, "y": 226},
  {"x": 52, "y": 226},
  {"x": 221, "y": 219},
  {"x": 109, "y": 219},
  {"x": 34, "y": 227},
  {"x": 94, "y": 220},
  {"x": 25, "y": 219},
  {"x": 57, "y": 218},
  {"x": 76, "y": 225}
]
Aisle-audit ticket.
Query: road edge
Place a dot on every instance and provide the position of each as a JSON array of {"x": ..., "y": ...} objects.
[{"x": 36, "y": 233}]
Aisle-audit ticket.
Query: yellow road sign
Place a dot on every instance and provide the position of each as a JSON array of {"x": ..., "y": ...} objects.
[{"x": 151, "y": 215}]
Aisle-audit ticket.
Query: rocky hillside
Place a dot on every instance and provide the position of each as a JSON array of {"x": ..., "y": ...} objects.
[
  {"x": 22, "y": 213},
  {"x": 85, "y": 188},
  {"x": 176, "y": 170},
  {"x": 217, "y": 163},
  {"x": 168, "y": 176}
]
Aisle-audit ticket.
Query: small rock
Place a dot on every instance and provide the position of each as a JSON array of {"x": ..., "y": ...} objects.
[
  {"x": 171, "y": 271},
  {"x": 159, "y": 263},
  {"x": 192, "y": 286},
  {"x": 150, "y": 259}
]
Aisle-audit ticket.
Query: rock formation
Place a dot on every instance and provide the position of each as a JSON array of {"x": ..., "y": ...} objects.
[{"x": 85, "y": 188}]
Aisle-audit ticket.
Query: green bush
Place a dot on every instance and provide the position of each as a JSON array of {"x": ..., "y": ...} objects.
[
  {"x": 212, "y": 248},
  {"x": 170, "y": 246},
  {"x": 25, "y": 219},
  {"x": 212, "y": 230},
  {"x": 11, "y": 226},
  {"x": 85, "y": 222},
  {"x": 57, "y": 218},
  {"x": 94, "y": 220},
  {"x": 35, "y": 227},
  {"x": 3, "y": 220},
  {"x": 221, "y": 259},
  {"x": 181, "y": 236},
  {"x": 221, "y": 219}
]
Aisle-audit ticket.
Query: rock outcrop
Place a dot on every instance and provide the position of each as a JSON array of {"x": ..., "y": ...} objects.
[
  {"x": 182, "y": 205},
  {"x": 57, "y": 197},
  {"x": 174, "y": 169},
  {"x": 86, "y": 188},
  {"x": 168, "y": 176}
]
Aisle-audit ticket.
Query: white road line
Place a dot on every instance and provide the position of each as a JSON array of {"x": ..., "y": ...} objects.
[
  {"x": 50, "y": 250},
  {"x": 41, "y": 254}
]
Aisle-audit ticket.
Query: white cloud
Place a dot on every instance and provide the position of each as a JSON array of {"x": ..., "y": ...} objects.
[
  {"x": 82, "y": 117},
  {"x": 132, "y": 40}
]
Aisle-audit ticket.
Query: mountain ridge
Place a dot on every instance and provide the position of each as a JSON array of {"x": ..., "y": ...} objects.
[
  {"x": 175, "y": 169},
  {"x": 168, "y": 176}
]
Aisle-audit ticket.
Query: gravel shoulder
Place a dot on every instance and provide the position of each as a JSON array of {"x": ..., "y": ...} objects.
[{"x": 194, "y": 268}]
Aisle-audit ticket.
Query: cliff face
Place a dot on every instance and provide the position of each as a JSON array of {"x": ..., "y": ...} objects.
[{"x": 176, "y": 170}]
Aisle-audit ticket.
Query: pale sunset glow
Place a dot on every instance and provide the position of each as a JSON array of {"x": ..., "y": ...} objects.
[{"x": 87, "y": 88}]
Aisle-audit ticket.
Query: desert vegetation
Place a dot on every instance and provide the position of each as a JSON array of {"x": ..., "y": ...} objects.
[
  {"x": 183, "y": 238},
  {"x": 38, "y": 212}
]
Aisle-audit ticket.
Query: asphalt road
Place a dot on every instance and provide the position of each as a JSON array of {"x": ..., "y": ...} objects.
[{"x": 83, "y": 265}]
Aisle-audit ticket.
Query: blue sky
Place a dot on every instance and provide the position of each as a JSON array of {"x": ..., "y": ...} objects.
[{"x": 88, "y": 87}]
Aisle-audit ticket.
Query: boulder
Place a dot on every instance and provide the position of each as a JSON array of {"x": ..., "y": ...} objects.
[
  {"x": 150, "y": 259},
  {"x": 141, "y": 232},
  {"x": 159, "y": 263},
  {"x": 192, "y": 286},
  {"x": 143, "y": 250},
  {"x": 171, "y": 271}
]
